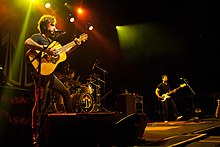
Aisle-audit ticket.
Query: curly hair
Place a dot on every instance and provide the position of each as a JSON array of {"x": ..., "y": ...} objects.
[{"x": 44, "y": 21}]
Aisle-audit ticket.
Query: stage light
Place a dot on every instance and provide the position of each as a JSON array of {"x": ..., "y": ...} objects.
[
  {"x": 72, "y": 19},
  {"x": 90, "y": 28},
  {"x": 80, "y": 11},
  {"x": 47, "y": 5}
]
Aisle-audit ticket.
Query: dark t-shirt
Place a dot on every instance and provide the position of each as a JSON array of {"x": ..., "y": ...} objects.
[
  {"x": 40, "y": 39},
  {"x": 164, "y": 88}
]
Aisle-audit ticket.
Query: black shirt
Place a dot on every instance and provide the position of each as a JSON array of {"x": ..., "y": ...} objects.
[{"x": 164, "y": 88}]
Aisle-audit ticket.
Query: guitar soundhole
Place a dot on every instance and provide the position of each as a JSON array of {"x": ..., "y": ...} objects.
[{"x": 55, "y": 58}]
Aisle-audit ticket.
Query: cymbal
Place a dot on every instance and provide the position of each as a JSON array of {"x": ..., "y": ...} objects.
[
  {"x": 73, "y": 82},
  {"x": 94, "y": 75},
  {"x": 90, "y": 79}
]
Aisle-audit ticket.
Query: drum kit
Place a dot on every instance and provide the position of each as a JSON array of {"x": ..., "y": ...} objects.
[
  {"x": 85, "y": 97},
  {"x": 82, "y": 95}
]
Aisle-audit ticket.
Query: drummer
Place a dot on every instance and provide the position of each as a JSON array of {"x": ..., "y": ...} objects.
[{"x": 69, "y": 80}]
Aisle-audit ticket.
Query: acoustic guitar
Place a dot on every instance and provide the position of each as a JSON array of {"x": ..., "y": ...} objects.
[
  {"x": 50, "y": 62},
  {"x": 167, "y": 95}
]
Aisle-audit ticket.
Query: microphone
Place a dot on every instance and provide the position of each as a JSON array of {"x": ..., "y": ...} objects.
[
  {"x": 185, "y": 80},
  {"x": 59, "y": 32},
  {"x": 94, "y": 65}
]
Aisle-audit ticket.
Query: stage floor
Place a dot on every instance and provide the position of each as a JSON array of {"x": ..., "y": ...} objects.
[{"x": 195, "y": 132}]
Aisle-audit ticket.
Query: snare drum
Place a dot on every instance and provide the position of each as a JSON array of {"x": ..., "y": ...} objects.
[{"x": 86, "y": 88}]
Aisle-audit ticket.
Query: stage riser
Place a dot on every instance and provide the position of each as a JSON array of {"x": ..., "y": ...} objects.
[
  {"x": 15, "y": 117},
  {"x": 92, "y": 129}
]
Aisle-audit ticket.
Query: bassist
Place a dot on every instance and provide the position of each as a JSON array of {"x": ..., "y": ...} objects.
[{"x": 168, "y": 105}]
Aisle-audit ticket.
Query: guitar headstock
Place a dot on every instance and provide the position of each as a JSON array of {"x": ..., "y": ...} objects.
[
  {"x": 183, "y": 85},
  {"x": 83, "y": 37}
]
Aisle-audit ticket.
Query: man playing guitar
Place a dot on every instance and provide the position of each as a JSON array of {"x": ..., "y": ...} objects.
[
  {"x": 43, "y": 55},
  {"x": 162, "y": 92}
]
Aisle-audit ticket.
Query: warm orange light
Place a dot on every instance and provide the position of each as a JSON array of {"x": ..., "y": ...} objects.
[{"x": 80, "y": 11}]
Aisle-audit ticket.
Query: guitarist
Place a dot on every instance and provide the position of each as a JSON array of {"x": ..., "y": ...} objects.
[
  {"x": 38, "y": 42},
  {"x": 167, "y": 105}
]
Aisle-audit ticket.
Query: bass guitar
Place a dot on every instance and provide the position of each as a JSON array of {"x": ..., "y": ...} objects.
[
  {"x": 167, "y": 95},
  {"x": 50, "y": 62}
]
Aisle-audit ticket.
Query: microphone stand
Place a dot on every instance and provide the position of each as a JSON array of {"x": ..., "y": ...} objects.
[
  {"x": 193, "y": 105},
  {"x": 104, "y": 77},
  {"x": 104, "y": 87},
  {"x": 36, "y": 112},
  {"x": 189, "y": 86},
  {"x": 37, "y": 106}
]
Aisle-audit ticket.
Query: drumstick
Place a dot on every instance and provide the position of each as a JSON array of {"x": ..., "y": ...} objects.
[{"x": 78, "y": 78}]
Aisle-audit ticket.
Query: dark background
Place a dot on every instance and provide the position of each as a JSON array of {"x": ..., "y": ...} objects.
[{"x": 182, "y": 42}]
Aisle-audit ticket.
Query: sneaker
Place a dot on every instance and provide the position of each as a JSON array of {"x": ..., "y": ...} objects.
[{"x": 179, "y": 117}]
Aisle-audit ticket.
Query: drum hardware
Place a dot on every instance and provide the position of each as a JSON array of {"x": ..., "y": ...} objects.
[
  {"x": 90, "y": 79},
  {"x": 59, "y": 103},
  {"x": 52, "y": 107},
  {"x": 86, "y": 88},
  {"x": 95, "y": 84},
  {"x": 94, "y": 75},
  {"x": 95, "y": 65},
  {"x": 98, "y": 105}
]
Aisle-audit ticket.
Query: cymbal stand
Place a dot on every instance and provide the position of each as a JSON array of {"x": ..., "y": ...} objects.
[
  {"x": 98, "y": 95},
  {"x": 98, "y": 106},
  {"x": 104, "y": 79},
  {"x": 104, "y": 76}
]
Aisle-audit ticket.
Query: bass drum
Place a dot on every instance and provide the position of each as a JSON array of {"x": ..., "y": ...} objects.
[{"x": 82, "y": 102}]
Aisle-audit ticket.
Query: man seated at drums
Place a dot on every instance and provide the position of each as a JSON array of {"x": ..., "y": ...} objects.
[{"x": 70, "y": 82}]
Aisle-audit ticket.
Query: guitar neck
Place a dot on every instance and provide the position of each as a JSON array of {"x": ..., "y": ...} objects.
[
  {"x": 68, "y": 46},
  {"x": 172, "y": 91}
]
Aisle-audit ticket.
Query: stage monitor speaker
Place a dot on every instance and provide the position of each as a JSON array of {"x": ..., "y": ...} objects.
[
  {"x": 129, "y": 130},
  {"x": 79, "y": 128},
  {"x": 15, "y": 117},
  {"x": 129, "y": 104}
]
